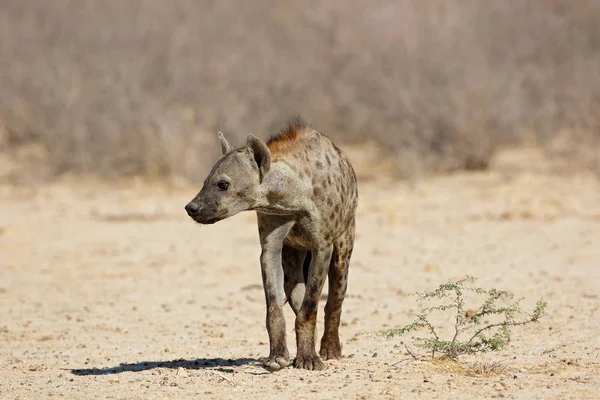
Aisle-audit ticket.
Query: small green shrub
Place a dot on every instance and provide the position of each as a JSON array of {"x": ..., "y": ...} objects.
[{"x": 472, "y": 332}]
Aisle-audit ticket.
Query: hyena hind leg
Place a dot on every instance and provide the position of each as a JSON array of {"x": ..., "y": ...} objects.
[{"x": 331, "y": 348}]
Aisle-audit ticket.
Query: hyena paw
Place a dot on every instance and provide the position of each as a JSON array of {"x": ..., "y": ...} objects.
[
  {"x": 275, "y": 363},
  {"x": 331, "y": 349},
  {"x": 311, "y": 362}
]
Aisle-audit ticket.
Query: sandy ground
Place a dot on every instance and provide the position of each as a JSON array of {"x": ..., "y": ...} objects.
[{"x": 111, "y": 291}]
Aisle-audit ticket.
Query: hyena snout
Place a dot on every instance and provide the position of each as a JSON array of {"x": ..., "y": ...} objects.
[
  {"x": 204, "y": 213},
  {"x": 192, "y": 208}
]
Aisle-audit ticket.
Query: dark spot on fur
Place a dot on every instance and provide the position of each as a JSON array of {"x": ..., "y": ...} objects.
[
  {"x": 336, "y": 208},
  {"x": 310, "y": 304},
  {"x": 329, "y": 202},
  {"x": 317, "y": 191},
  {"x": 329, "y": 179},
  {"x": 313, "y": 291},
  {"x": 271, "y": 299},
  {"x": 273, "y": 196},
  {"x": 319, "y": 164},
  {"x": 328, "y": 160}
]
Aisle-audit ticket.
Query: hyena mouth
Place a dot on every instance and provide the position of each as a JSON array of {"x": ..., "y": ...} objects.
[{"x": 208, "y": 221}]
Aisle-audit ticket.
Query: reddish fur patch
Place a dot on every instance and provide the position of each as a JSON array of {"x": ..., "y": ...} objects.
[{"x": 284, "y": 140}]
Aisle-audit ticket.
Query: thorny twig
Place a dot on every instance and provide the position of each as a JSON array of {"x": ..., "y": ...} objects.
[{"x": 410, "y": 352}]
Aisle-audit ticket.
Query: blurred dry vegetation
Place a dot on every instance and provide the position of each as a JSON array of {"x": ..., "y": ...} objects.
[{"x": 121, "y": 87}]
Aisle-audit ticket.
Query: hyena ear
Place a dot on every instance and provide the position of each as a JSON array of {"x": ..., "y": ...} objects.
[
  {"x": 226, "y": 147},
  {"x": 260, "y": 152}
]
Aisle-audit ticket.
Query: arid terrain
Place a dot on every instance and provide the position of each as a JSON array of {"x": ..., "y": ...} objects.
[{"x": 109, "y": 290}]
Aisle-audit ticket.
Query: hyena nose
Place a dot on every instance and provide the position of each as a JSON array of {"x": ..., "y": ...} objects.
[{"x": 192, "y": 208}]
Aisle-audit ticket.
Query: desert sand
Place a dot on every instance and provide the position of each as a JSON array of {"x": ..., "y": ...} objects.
[{"x": 109, "y": 290}]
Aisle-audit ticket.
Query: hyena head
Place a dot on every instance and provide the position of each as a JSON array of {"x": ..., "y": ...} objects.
[{"x": 233, "y": 184}]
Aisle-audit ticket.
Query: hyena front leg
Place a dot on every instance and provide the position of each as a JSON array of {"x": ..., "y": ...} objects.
[{"x": 272, "y": 231}]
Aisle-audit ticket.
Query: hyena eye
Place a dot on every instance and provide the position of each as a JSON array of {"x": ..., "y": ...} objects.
[{"x": 223, "y": 185}]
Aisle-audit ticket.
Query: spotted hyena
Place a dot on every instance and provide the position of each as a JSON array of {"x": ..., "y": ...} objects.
[{"x": 304, "y": 192}]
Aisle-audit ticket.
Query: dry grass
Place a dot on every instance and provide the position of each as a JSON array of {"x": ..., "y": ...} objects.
[
  {"x": 140, "y": 87},
  {"x": 482, "y": 369}
]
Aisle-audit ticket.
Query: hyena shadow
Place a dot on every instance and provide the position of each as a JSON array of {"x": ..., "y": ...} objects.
[{"x": 220, "y": 364}]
